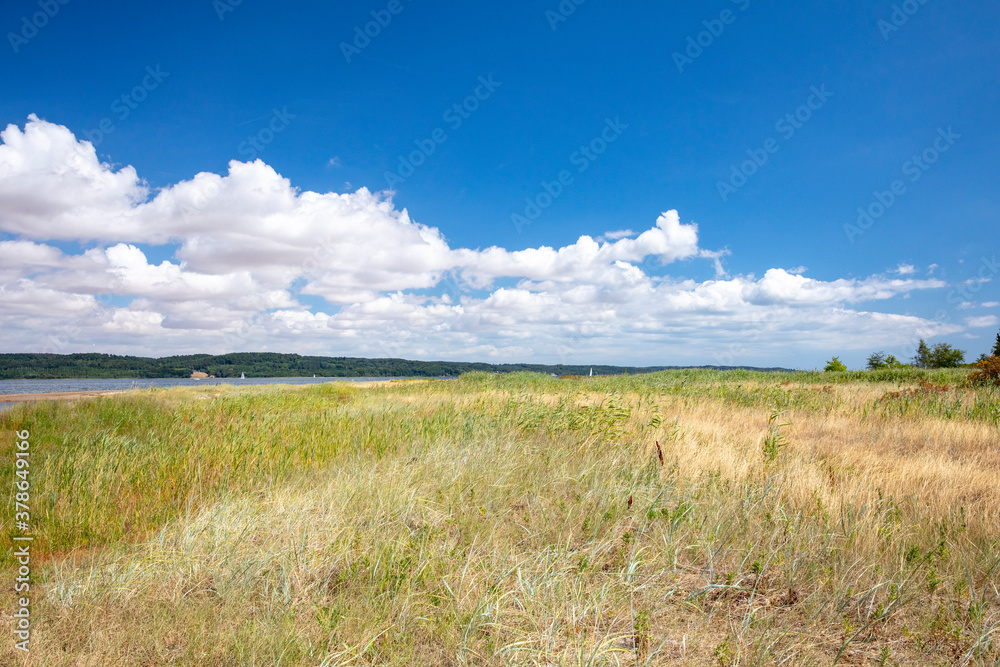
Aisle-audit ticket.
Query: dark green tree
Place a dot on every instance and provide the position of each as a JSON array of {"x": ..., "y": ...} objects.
[
  {"x": 922, "y": 359},
  {"x": 876, "y": 361},
  {"x": 996, "y": 347},
  {"x": 944, "y": 355},
  {"x": 880, "y": 360}
]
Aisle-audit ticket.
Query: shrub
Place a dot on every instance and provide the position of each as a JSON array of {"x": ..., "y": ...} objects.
[
  {"x": 835, "y": 365},
  {"x": 876, "y": 361},
  {"x": 880, "y": 360},
  {"x": 987, "y": 373}
]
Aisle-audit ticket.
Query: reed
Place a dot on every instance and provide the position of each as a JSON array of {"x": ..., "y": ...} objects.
[{"x": 684, "y": 517}]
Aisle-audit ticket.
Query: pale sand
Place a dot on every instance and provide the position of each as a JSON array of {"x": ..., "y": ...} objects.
[
  {"x": 73, "y": 395},
  {"x": 55, "y": 396}
]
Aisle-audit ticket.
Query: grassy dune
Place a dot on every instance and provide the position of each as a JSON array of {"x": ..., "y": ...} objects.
[{"x": 683, "y": 517}]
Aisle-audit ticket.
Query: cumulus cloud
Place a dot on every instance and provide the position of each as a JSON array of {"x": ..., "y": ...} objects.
[
  {"x": 54, "y": 187},
  {"x": 586, "y": 260},
  {"x": 250, "y": 255},
  {"x": 616, "y": 234},
  {"x": 985, "y": 321}
]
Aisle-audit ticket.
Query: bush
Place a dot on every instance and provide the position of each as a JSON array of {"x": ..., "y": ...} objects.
[
  {"x": 835, "y": 365},
  {"x": 879, "y": 360},
  {"x": 987, "y": 373}
]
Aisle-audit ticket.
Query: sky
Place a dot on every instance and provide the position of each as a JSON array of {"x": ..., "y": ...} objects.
[{"x": 730, "y": 182}]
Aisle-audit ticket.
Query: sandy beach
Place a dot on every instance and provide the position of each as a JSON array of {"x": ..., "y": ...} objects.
[{"x": 54, "y": 396}]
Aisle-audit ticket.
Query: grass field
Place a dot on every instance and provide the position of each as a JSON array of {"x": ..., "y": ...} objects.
[{"x": 683, "y": 517}]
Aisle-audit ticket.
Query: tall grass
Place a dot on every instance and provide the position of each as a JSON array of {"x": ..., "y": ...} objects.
[{"x": 678, "y": 518}]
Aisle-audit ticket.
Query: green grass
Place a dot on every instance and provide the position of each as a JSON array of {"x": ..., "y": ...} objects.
[{"x": 520, "y": 519}]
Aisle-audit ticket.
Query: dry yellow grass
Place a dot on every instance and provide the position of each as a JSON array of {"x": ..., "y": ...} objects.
[{"x": 525, "y": 520}]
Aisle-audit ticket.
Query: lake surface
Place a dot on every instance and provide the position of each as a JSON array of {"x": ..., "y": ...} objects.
[{"x": 47, "y": 386}]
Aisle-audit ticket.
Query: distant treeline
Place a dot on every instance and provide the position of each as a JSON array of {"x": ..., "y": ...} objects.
[{"x": 269, "y": 364}]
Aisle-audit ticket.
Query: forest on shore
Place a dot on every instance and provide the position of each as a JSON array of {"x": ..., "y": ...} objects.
[{"x": 269, "y": 364}]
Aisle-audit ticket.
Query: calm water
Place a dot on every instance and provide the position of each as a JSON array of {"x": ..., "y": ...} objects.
[{"x": 46, "y": 386}]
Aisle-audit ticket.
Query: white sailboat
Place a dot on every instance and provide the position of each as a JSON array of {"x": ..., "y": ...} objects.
[
  {"x": 591, "y": 372},
  {"x": 243, "y": 376}
]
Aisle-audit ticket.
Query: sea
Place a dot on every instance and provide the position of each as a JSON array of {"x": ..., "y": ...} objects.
[{"x": 48, "y": 386}]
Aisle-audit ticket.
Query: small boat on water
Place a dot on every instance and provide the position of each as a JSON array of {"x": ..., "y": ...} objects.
[{"x": 243, "y": 376}]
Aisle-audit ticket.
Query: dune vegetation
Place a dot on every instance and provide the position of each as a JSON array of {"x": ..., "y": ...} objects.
[{"x": 680, "y": 517}]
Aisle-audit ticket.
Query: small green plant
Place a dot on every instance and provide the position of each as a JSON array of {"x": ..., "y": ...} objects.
[
  {"x": 933, "y": 580},
  {"x": 723, "y": 653},
  {"x": 328, "y": 617},
  {"x": 775, "y": 440},
  {"x": 640, "y": 633}
]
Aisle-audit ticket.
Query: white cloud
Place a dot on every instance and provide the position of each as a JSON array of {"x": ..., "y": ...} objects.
[
  {"x": 615, "y": 235},
  {"x": 586, "y": 260},
  {"x": 26, "y": 299},
  {"x": 985, "y": 321},
  {"x": 54, "y": 187},
  {"x": 252, "y": 248},
  {"x": 124, "y": 321},
  {"x": 905, "y": 269},
  {"x": 991, "y": 304}
]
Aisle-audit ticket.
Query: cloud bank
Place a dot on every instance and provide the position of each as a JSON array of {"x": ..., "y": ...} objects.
[{"x": 256, "y": 264}]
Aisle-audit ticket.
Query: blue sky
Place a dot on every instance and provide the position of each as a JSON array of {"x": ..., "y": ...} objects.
[{"x": 833, "y": 101}]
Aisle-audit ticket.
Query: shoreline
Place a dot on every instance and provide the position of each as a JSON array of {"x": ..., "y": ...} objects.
[
  {"x": 57, "y": 395},
  {"x": 92, "y": 393}
]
